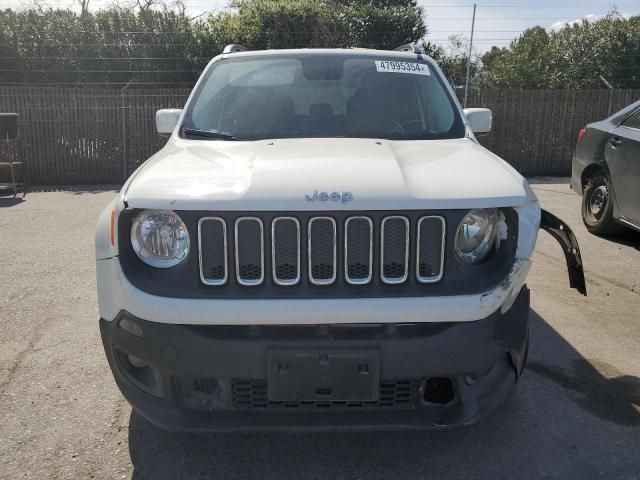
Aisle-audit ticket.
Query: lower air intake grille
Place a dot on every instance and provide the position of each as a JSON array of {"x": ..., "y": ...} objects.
[
  {"x": 198, "y": 393},
  {"x": 252, "y": 394}
]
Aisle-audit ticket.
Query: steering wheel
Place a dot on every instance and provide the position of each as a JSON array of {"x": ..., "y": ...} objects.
[{"x": 397, "y": 126}]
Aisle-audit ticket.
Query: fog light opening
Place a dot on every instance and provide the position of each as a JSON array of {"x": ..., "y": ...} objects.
[
  {"x": 140, "y": 373},
  {"x": 438, "y": 390}
]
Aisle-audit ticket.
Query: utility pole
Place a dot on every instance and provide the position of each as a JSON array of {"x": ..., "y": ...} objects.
[
  {"x": 610, "y": 87},
  {"x": 123, "y": 110},
  {"x": 466, "y": 82}
]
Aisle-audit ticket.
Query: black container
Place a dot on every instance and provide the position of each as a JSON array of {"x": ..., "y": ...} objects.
[{"x": 8, "y": 126}]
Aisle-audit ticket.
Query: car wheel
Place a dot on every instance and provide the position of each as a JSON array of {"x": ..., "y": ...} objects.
[{"x": 597, "y": 207}]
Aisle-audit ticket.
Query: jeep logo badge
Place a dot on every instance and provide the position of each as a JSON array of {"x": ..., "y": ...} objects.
[{"x": 343, "y": 197}]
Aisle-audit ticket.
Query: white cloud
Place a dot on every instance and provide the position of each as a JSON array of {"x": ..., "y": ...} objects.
[
  {"x": 562, "y": 23},
  {"x": 590, "y": 18}
]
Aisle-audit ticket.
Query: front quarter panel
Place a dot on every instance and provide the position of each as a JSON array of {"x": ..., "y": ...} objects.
[
  {"x": 590, "y": 153},
  {"x": 528, "y": 227},
  {"x": 104, "y": 248}
]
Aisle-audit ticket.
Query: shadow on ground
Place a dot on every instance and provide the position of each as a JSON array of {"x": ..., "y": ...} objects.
[
  {"x": 6, "y": 202},
  {"x": 75, "y": 189},
  {"x": 627, "y": 237},
  {"x": 549, "y": 181},
  {"x": 571, "y": 417}
]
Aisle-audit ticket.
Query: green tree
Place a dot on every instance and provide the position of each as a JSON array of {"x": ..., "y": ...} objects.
[
  {"x": 454, "y": 59},
  {"x": 151, "y": 43},
  {"x": 260, "y": 24},
  {"x": 524, "y": 65},
  {"x": 572, "y": 57},
  {"x": 116, "y": 45}
]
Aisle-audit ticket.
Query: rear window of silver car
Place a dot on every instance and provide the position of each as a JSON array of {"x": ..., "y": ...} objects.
[{"x": 324, "y": 95}]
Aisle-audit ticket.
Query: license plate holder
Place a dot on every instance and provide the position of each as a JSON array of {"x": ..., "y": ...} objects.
[{"x": 329, "y": 375}]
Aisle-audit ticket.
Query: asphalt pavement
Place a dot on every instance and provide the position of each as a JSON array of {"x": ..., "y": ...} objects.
[{"x": 575, "y": 414}]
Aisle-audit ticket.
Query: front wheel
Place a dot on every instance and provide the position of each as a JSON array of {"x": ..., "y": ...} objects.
[{"x": 597, "y": 207}]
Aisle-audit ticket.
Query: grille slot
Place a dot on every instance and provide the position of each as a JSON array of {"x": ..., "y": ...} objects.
[
  {"x": 394, "y": 258},
  {"x": 212, "y": 244},
  {"x": 322, "y": 250},
  {"x": 249, "y": 251},
  {"x": 285, "y": 250},
  {"x": 430, "y": 249},
  {"x": 252, "y": 394},
  {"x": 358, "y": 250}
]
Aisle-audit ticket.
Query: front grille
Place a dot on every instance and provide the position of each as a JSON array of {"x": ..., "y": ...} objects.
[
  {"x": 319, "y": 251},
  {"x": 252, "y": 394}
]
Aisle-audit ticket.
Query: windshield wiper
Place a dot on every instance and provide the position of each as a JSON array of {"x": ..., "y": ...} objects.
[{"x": 194, "y": 132}]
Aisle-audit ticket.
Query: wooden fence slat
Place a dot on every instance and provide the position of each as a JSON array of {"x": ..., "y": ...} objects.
[{"x": 74, "y": 134}]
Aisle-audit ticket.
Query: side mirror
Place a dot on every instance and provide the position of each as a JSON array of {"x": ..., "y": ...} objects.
[
  {"x": 480, "y": 119},
  {"x": 166, "y": 120}
]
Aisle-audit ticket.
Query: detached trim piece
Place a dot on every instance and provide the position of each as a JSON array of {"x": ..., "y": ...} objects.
[{"x": 565, "y": 237}]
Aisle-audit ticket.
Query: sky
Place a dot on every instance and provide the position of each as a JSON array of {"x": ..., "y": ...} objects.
[{"x": 497, "y": 21}]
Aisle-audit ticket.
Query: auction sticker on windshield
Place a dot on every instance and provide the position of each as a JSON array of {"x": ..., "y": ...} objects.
[{"x": 402, "y": 67}]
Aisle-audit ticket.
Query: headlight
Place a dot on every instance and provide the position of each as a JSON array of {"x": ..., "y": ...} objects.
[
  {"x": 476, "y": 235},
  {"x": 160, "y": 238}
]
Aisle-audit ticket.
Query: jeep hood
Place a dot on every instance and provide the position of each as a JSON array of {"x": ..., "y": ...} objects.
[{"x": 277, "y": 175}]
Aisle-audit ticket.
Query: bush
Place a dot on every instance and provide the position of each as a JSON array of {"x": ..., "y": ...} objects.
[
  {"x": 118, "y": 45},
  {"x": 573, "y": 57}
]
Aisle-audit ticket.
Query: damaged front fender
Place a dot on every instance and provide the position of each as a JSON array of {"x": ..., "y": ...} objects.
[{"x": 565, "y": 237}]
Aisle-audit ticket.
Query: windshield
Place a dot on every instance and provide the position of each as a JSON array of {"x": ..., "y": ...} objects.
[{"x": 322, "y": 95}]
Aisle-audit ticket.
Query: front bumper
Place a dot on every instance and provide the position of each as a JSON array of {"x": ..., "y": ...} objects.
[
  {"x": 192, "y": 375},
  {"x": 116, "y": 293}
]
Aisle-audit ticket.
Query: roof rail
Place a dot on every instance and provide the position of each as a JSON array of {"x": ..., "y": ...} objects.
[
  {"x": 409, "y": 47},
  {"x": 234, "y": 48}
]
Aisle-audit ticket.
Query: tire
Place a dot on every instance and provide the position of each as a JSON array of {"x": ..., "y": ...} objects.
[
  {"x": 597, "y": 206},
  {"x": 521, "y": 363}
]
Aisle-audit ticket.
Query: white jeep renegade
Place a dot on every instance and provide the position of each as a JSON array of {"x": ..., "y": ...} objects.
[{"x": 322, "y": 243}]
